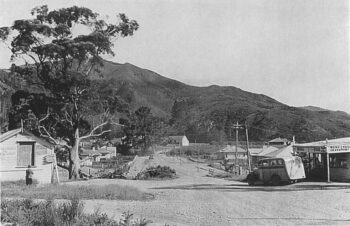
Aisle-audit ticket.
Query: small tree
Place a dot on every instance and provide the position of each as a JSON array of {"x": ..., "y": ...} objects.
[
  {"x": 62, "y": 50},
  {"x": 142, "y": 129}
]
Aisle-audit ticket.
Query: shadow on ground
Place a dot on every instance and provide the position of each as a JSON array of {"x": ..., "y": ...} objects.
[{"x": 247, "y": 188}]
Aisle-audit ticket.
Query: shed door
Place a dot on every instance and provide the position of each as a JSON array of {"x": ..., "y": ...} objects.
[{"x": 25, "y": 154}]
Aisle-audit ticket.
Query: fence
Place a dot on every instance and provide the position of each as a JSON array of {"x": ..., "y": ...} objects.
[{"x": 106, "y": 164}]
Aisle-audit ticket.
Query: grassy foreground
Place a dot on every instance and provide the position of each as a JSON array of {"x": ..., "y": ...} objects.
[
  {"x": 111, "y": 192},
  {"x": 34, "y": 213}
]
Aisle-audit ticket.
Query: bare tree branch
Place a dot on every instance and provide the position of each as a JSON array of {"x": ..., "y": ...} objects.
[
  {"x": 91, "y": 134},
  {"x": 62, "y": 166},
  {"x": 47, "y": 134}
]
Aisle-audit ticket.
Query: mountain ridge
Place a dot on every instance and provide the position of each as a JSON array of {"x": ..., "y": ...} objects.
[{"x": 207, "y": 114}]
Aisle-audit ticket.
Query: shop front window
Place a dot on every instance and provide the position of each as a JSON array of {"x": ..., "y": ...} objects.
[{"x": 337, "y": 162}]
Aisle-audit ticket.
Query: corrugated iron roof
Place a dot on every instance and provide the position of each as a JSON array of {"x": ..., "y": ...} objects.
[
  {"x": 279, "y": 140},
  {"x": 266, "y": 150},
  {"x": 230, "y": 149},
  {"x": 282, "y": 152},
  {"x": 14, "y": 132},
  {"x": 89, "y": 152},
  {"x": 322, "y": 143},
  {"x": 9, "y": 134}
]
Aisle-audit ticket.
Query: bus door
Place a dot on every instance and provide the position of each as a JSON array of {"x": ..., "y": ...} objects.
[
  {"x": 277, "y": 167},
  {"x": 264, "y": 170}
]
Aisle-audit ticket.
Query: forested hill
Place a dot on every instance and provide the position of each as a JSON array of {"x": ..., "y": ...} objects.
[{"x": 206, "y": 114}]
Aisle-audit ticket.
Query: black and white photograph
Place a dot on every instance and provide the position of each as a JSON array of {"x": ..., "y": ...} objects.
[{"x": 174, "y": 112}]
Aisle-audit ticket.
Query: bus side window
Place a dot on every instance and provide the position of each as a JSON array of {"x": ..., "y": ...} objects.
[
  {"x": 273, "y": 162},
  {"x": 265, "y": 163},
  {"x": 280, "y": 162}
]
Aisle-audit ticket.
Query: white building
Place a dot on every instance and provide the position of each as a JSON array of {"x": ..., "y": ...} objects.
[{"x": 18, "y": 149}]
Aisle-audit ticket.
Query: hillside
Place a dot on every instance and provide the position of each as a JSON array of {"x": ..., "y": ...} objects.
[{"x": 206, "y": 114}]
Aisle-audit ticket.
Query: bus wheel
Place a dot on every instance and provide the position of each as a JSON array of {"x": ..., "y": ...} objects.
[
  {"x": 250, "y": 180},
  {"x": 275, "y": 180}
]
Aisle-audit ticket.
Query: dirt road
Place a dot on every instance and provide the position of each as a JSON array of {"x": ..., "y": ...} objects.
[{"x": 194, "y": 199}]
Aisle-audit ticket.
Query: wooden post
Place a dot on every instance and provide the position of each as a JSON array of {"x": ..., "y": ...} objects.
[
  {"x": 236, "y": 144},
  {"x": 55, "y": 166},
  {"x": 327, "y": 154},
  {"x": 328, "y": 172},
  {"x": 248, "y": 154},
  {"x": 237, "y": 127}
]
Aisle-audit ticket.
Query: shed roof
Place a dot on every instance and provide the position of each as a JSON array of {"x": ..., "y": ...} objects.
[
  {"x": 279, "y": 140},
  {"x": 231, "y": 149},
  {"x": 14, "y": 132},
  {"x": 322, "y": 143},
  {"x": 106, "y": 150},
  {"x": 89, "y": 152},
  {"x": 267, "y": 150},
  {"x": 177, "y": 138},
  {"x": 255, "y": 151},
  {"x": 282, "y": 152}
]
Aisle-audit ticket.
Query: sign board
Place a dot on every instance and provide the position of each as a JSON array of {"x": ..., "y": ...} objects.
[
  {"x": 332, "y": 149},
  {"x": 49, "y": 159},
  {"x": 316, "y": 150}
]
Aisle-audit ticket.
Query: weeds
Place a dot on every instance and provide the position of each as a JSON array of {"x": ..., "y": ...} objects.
[
  {"x": 29, "y": 212},
  {"x": 111, "y": 192}
]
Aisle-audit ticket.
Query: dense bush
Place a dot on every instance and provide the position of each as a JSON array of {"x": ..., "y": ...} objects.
[
  {"x": 29, "y": 212},
  {"x": 196, "y": 150},
  {"x": 161, "y": 172}
]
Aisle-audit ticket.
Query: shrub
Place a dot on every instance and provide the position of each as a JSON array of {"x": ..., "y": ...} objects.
[
  {"x": 29, "y": 212},
  {"x": 161, "y": 172}
]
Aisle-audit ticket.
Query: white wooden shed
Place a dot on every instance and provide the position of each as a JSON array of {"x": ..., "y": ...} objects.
[{"x": 18, "y": 149}]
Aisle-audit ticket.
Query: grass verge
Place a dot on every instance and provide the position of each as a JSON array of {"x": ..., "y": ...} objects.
[
  {"x": 30, "y": 212},
  {"x": 50, "y": 191}
]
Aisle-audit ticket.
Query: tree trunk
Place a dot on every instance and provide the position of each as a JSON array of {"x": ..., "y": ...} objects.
[{"x": 75, "y": 160}]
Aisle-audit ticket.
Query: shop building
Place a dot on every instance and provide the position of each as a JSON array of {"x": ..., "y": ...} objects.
[{"x": 327, "y": 160}]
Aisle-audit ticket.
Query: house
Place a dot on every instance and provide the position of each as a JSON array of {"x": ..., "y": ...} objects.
[
  {"x": 88, "y": 156},
  {"x": 115, "y": 141},
  {"x": 254, "y": 155},
  {"x": 278, "y": 141},
  {"x": 107, "y": 152},
  {"x": 18, "y": 149},
  {"x": 179, "y": 140},
  {"x": 229, "y": 152}
]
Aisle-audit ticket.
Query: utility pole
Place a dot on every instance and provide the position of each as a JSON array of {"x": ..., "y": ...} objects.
[
  {"x": 237, "y": 127},
  {"x": 248, "y": 154}
]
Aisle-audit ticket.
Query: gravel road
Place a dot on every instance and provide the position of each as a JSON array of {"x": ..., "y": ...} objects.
[{"x": 194, "y": 199}]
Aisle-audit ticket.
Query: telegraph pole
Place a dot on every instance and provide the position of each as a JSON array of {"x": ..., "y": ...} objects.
[
  {"x": 237, "y": 127},
  {"x": 248, "y": 154}
]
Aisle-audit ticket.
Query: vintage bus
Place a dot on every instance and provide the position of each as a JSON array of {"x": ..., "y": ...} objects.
[{"x": 276, "y": 171}]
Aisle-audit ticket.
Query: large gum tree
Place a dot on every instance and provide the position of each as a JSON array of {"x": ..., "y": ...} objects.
[{"x": 60, "y": 50}]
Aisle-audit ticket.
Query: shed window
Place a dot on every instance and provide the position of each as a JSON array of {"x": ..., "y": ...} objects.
[{"x": 25, "y": 153}]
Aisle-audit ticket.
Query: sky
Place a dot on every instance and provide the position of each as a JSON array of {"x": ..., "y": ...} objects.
[{"x": 295, "y": 51}]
